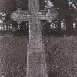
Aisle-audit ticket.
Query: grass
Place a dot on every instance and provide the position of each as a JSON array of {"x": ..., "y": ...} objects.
[
  {"x": 14, "y": 55},
  {"x": 61, "y": 55}
]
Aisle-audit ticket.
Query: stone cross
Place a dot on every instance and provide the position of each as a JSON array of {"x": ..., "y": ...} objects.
[{"x": 36, "y": 64}]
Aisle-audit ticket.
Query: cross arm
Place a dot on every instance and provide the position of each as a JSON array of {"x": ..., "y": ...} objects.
[
  {"x": 20, "y": 16},
  {"x": 49, "y": 16}
]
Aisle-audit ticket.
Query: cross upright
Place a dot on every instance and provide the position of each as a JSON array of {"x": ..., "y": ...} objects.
[{"x": 36, "y": 64}]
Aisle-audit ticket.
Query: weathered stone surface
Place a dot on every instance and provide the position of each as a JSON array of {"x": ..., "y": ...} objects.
[{"x": 36, "y": 64}]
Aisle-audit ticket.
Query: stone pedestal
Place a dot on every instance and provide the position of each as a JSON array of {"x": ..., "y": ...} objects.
[{"x": 36, "y": 64}]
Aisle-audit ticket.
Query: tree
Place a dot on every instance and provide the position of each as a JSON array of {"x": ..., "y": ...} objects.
[
  {"x": 8, "y": 6},
  {"x": 64, "y": 13}
]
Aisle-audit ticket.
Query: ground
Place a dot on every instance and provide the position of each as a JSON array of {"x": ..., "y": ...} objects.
[{"x": 61, "y": 55}]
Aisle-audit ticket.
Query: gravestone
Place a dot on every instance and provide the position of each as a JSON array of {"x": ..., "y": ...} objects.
[{"x": 36, "y": 63}]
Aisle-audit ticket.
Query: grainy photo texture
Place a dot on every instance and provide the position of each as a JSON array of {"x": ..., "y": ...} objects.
[{"x": 38, "y": 38}]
